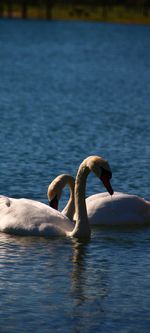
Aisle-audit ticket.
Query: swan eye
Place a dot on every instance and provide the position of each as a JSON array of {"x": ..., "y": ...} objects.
[{"x": 54, "y": 203}]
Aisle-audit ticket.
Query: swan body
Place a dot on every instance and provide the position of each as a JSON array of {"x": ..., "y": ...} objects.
[
  {"x": 29, "y": 217},
  {"x": 119, "y": 209}
]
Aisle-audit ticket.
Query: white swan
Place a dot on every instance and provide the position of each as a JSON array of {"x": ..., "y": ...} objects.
[
  {"x": 120, "y": 209},
  {"x": 29, "y": 217}
]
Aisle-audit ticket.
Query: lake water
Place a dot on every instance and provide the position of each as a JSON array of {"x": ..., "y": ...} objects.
[{"x": 69, "y": 90}]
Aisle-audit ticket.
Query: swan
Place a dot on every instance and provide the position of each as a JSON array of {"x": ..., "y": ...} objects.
[
  {"x": 120, "y": 209},
  {"x": 29, "y": 217}
]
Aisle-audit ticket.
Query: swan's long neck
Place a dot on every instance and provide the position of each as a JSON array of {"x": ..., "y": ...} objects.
[
  {"x": 69, "y": 209},
  {"x": 82, "y": 227}
]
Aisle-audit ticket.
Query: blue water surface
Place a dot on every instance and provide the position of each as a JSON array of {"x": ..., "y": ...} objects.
[{"x": 69, "y": 90}]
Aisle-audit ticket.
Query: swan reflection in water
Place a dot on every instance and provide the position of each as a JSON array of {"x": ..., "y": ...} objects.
[
  {"x": 63, "y": 276},
  {"x": 89, "y": 283}
]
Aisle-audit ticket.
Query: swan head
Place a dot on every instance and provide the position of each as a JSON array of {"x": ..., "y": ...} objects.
[
  {"x": 55, "y": 188},
  {"x": 54, "y": 192},
  {"x": 101, "y": 169}
]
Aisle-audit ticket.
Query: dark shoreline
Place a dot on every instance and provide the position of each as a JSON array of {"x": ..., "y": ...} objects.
[{"x": 113, "y": 14}]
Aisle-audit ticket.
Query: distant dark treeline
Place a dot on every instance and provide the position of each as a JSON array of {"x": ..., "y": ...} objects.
[
  {"x": 133, "y": 3},
  {"x": 7, "y": 7},
  {"x": 10, "y": 5}
]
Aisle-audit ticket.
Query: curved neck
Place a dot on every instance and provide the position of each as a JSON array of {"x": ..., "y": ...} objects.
[
  {"x": 69, "y": 209},
  {"x": 82, "y": 227}
]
